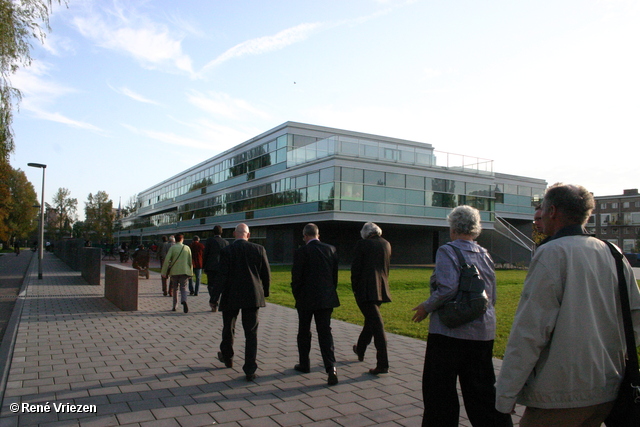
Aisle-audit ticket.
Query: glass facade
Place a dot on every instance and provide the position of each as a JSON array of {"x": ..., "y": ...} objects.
[{"x": 394, "y": 178}]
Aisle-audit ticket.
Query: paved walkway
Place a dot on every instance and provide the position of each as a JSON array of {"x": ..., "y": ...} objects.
[{"x": 154, "y": 367}]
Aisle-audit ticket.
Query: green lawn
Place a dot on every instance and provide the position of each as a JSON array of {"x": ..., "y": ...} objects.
[{"x": 409, "y": 287}]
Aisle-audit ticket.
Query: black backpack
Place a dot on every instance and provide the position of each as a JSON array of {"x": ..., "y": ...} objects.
[{"x": 471, "y": 300}]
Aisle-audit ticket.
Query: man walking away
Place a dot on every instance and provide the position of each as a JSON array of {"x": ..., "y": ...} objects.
[
  {"x": 211, "y": 260},
  {"x": 314, "y": 282},
  {"x": 244, "y": 278}
]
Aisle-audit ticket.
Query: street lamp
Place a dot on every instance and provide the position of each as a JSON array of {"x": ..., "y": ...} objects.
[{"x": 41, "y": 245}]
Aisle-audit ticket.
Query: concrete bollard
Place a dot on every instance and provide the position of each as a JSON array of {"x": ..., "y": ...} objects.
[{"x": 121, "y": 286}]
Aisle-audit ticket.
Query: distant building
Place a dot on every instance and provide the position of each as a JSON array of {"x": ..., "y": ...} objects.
[
  {"x": 297, "y": 173},
  {"x": 617, "y": 219}
]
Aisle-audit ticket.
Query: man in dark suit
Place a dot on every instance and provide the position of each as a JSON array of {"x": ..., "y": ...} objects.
[
  {"x": 370, "y": 284},
  {"x": 314, "y": 280},
  {"x": 244, "y": 277},
  {"x": 211, "y": 259}
]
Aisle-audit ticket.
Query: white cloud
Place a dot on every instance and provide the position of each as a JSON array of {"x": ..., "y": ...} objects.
[
  {"x": 57, "y": 46},
  {"x": 265, "y": 44},
  {"x": 151, "y": 44},
  {"x": 59, "y": 118},
  {"x": 134, "y": 95},
  {"x": 169, "y": 138},
  {"x": 39, "y": 93},
  {"x": 220, "y": 104}
]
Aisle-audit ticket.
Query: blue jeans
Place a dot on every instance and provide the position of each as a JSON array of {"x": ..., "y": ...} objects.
[{"x": 197, "y": 272}]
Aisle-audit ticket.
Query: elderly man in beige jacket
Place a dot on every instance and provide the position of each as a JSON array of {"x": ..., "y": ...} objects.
[
  {"x": 566, "y": 352},
  {"x": 179, "y": 266}
]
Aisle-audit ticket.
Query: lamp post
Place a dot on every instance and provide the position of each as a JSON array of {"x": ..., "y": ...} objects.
[{"x": 41, "y": 243}]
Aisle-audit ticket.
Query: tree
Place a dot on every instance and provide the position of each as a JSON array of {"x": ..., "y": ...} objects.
[
  {"x": 130, "y": 207},
  {"x": 5, "y": 199},
  {"x": 20, "y": 20},
  {"x": 65, "y": 207},
  {"x": 99, "y": 217},
  {"x": 78, "y": 231},
  {"x": 23, "y": 217}
]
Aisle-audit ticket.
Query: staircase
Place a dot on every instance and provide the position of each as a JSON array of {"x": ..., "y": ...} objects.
[{"x": 508, "y": 246}]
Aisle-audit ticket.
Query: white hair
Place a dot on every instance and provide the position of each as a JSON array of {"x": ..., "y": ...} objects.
[
  {"x": 465, "y": 220},
  {"x": 369, "y": 229}
]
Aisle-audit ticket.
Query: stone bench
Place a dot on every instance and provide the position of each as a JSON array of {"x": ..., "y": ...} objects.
[{"x": 121, "y": 286}]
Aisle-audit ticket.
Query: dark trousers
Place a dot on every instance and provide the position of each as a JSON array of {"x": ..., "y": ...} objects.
[
  {"x": 325, "y": 339},
  {"x": 448, "y": 359},
  {"x": 214, "y": 291},
  {"x": 250, "y": 326},
  {"x": 373, "y": 329},
  {"x": 164, "y": 280}
]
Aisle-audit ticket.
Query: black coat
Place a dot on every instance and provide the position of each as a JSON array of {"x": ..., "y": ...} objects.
[
  {"x": 212, "y": 248},
  {"x": 244, "y": 276},
  {"x": 370, "y": 270},
  {"x": 314, "y": 276}
]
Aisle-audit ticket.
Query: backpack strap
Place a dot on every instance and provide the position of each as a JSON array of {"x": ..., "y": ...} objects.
[
  {"x": 458, "y": 252},
  {"x": 632, "y": 357}
]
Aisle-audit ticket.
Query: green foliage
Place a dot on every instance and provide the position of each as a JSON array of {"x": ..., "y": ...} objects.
[
  {"x": 20, "y": 20},
  {"x": 99, "y": 217},
  {"x": 22, "y": 217},
  {"x": 61, "y": 222},
  {"x": 17, "y": 197}
]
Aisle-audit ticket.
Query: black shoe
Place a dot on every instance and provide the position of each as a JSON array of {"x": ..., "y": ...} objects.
[
  {"x": 185, "y": 306},
  {"x": 227, "y": 363},
  {"x": 302, "y": 368},
  {"x": 191, "y": 293},
  {"x": 333, "y": 377},
  {"x": 377, "y": 371},
  {"x": 355, "y": 350},
  {"x": 164, "y": 293},
  {"x": 250, "y": 377},
  {"x": 173, "y": 309}
]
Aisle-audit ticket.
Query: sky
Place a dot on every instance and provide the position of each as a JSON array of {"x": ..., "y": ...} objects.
[{"x": 124, "y": 94}]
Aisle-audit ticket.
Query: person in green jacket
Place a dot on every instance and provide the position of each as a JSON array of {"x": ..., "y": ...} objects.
[{"x": 179, "y": 266}]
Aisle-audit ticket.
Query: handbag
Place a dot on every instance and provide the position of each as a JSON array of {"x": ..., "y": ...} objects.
[
  {"x": 626, "y": 409},
  {"x": 471, "y": 300}
]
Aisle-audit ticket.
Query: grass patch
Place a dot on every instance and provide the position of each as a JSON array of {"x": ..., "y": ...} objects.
[{"x": 409, "y": 287}]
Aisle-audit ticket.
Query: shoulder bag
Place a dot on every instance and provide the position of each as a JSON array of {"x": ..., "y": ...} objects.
[
  {"x": 626, "y": 409},
  {"x": 173, "y": 262},
  {"x": 471, "y": 300}
]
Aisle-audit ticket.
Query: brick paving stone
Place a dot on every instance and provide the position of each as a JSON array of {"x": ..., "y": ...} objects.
[
  {"x": 230, "y": 415},
  {"x": 195, "y": 420},
  {"x": 148, "y": 368},
  {"x": 260, "y": 422},
  {"x": 291, "y": 419}
]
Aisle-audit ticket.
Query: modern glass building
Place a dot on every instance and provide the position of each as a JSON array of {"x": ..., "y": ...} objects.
[{"x": 297, "y": 173}]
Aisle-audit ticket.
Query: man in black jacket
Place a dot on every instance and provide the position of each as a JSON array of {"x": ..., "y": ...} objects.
[
  {"x": 211, "y": 260},
  {"x": 244, "y": 278},
  {"x": 370, "y": 284},
  {"x": 314, "y": 280}
]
